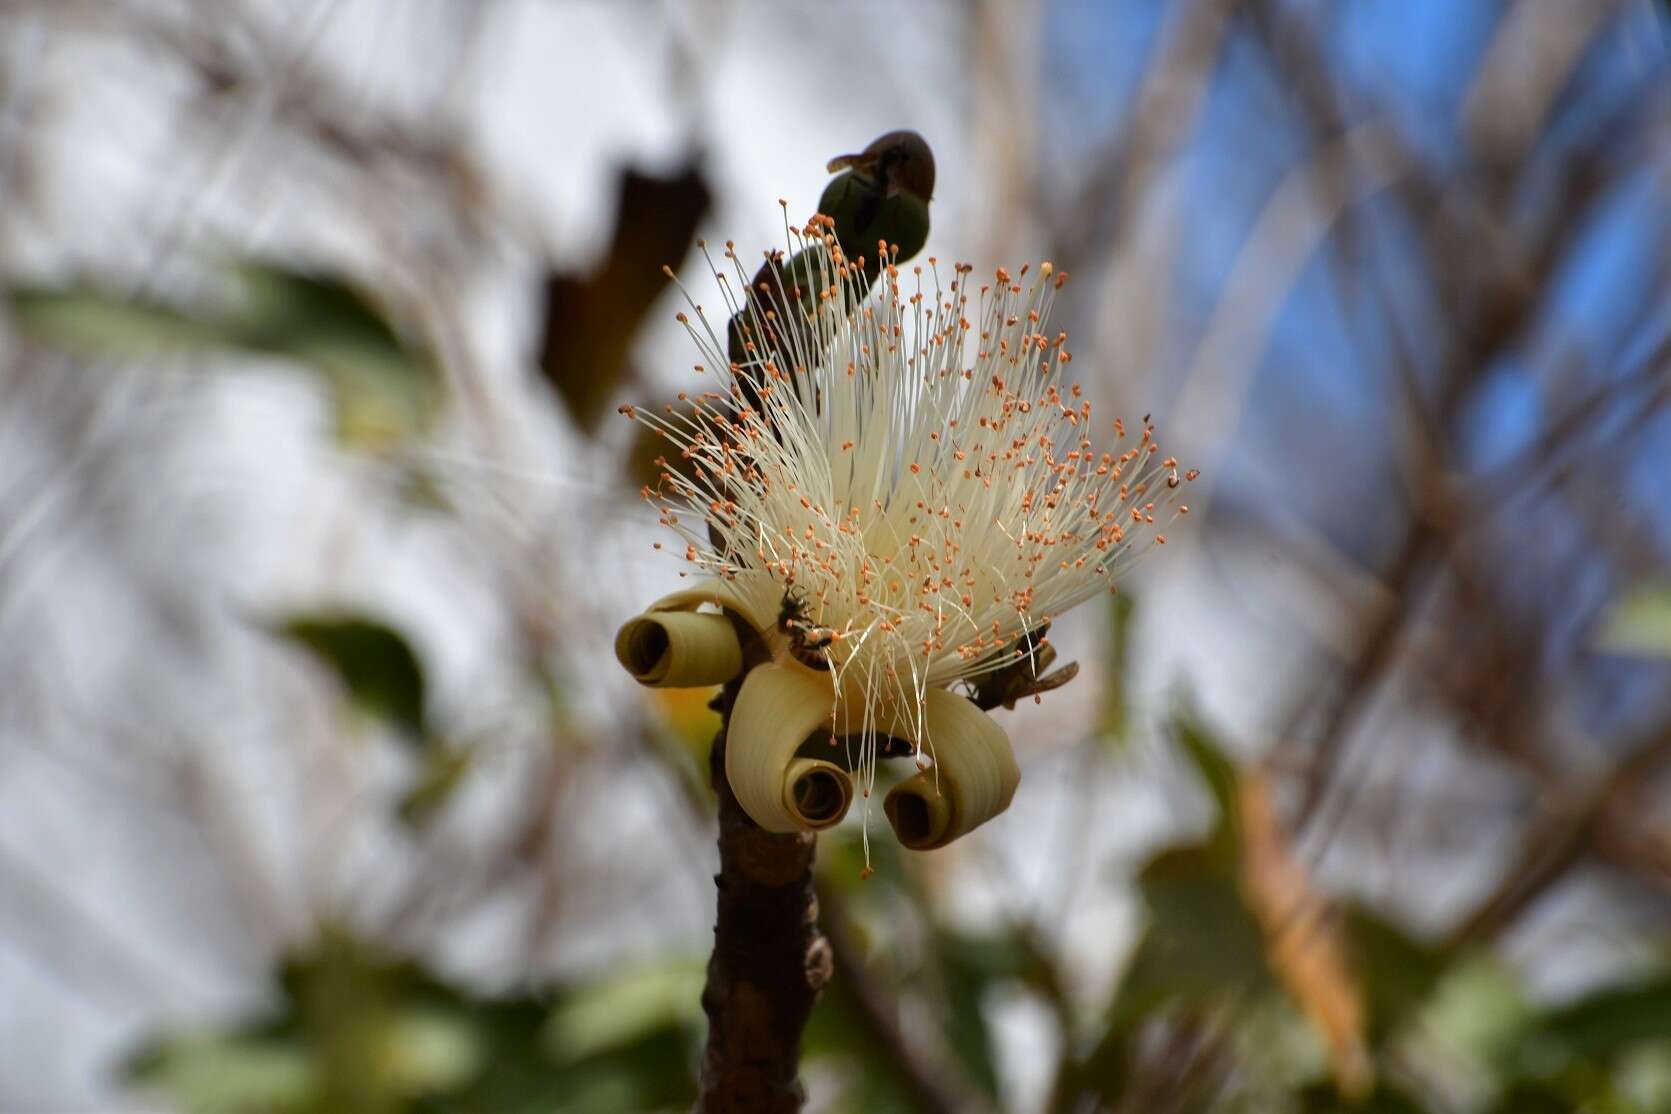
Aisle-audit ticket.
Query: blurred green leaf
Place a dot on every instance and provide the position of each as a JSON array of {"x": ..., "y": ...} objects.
[
  {"x": 1610, "y": 1021},
  {"x": 356, "y": 1031},
  {"x": 92, "y": 322},
  {"x": 1322, "y": 1098},
  {"x": 1116, "y": 712},
  {"x": 346, "y": 996},
  {"x": 619, "y": 1011},
  {"x": 1107, "y": 1070},
  {"x": 1235, "y": 918},
  {"x": 1571, "y": 1057},
  {"x": 382, "y": 388},
  {"x": 374, "y": 663},
  {"x": 841, "y": 863},
  {"x": 442, "y": 773},
  {"x": 836, "y": 1039},
  {"x": 1219, "y": 775},
  {"x": 432, "y": 1050},
  {"x": 519, "y": 1076},
  {"x": 1202, "y": 943},
  {"x": 1202, "y": 940},
  {"x": 311, "y": 316},
  {"x": 592, "y": 322},
  {"x": 1398, "y": 973},
  {"x": 1529, "y": 1096},
  {"x": 228, "y": 1073},
  {"x": 1479, "y": 1010},
  {"x": 970, "y": 965},
  {"x": 1644, "y": 1075},
  {"x": 1640, "y": 623},
  {"x": 653, "y": 1072},
  {"x": 1279, "y": 1047}
]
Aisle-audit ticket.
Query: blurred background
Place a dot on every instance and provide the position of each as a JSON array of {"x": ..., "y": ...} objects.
[{"x": 320, "y": 789}]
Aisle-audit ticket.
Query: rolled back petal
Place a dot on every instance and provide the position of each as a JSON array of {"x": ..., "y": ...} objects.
[
  {"x": 816, "y": 793},
  {"x": 679, "y": 649},
  {"x": 973, "y": 779},
  {"x": 757, "y": 607},
  {"x": 778, "y": 707},
  {"x": 673, "y": 645}
]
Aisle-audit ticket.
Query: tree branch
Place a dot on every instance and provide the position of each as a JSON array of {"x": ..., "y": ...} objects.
[
  {"x": 1595, "y": 821},
  {"x": 769, "y": 964}
]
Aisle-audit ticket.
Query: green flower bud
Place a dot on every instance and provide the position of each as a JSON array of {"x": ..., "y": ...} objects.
[{"x": 881, "y": 194}]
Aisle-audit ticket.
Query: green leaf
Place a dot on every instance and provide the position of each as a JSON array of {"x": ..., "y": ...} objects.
[
  {"x": 284, "y": 310},
  {"x": 1639, "y": 623},
  {"x": 1607, "y": 1022},
  {"x": 382, "y": 388},
  {"x": 1322, "y": 1098},
  {"x": 519, "y": 1076},
  {"x": 443, "y": 772},
  {"x": 1218, "y": 774},
  {"x": 655, "y": 1073},
  {"x": 228, "y": 1073},
  {"x": 1479, "y": 1010},
  {"x": 1398, "y": 973},
  {"x": 835, "y": 1040},
  {"x": 432, "y": 1050},
  {"x": 90, "y": 321},
  {"x": 1644, "y": 1076},
  {"x": 617, "y": 1012},
  {"x": 374, "y": 663},
  {"x": 843, "y": 859},
  {"x": 358, "y": 1031},
  {"x": 970, "y": 965},
  {"x": 1202, "y": 942},
  {"x": 1530, "y": 1096},
  {"x": 1116, "y": 713}
]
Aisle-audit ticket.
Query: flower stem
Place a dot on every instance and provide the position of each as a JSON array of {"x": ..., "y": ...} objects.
[{"x": 770, "y": 961}]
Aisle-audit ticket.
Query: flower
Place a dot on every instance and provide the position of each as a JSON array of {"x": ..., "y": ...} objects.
[{"x": 893, "y": 487}]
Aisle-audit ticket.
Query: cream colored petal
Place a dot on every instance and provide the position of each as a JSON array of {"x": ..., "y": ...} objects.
[
  {"x": 689, "y": 599},
  {"x": 674, "y": 645},
  {"x": 816, "y": 793},
  {"x": 721, "y": 593},
  {"x": 778, "y": 707},
  {"x": 679, "y": 649},
  {"x": 973, "y": 779}
]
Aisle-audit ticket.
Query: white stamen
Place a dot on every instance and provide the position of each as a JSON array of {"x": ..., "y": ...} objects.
[{"x": 913, "y": 469}]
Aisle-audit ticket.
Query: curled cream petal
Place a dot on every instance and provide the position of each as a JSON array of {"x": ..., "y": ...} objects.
[
  {"x": 816, "y": 793},
  {"x": 674, "y": 645},
  {"x": 779, "y": 706},
  {"x": 679, "y": 649},
  {"x": 752, "y": 606},
  {"x": 973, "y": 779}
]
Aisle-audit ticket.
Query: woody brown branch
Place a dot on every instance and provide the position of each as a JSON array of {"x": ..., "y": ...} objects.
[{"x": 770, "y": 961}]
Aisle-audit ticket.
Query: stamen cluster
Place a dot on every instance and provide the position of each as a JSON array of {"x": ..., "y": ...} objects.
[{"x": 901, "y": 471}]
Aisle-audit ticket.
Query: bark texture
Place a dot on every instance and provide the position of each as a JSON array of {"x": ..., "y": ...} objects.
[{"x": 770, "y": 961}]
